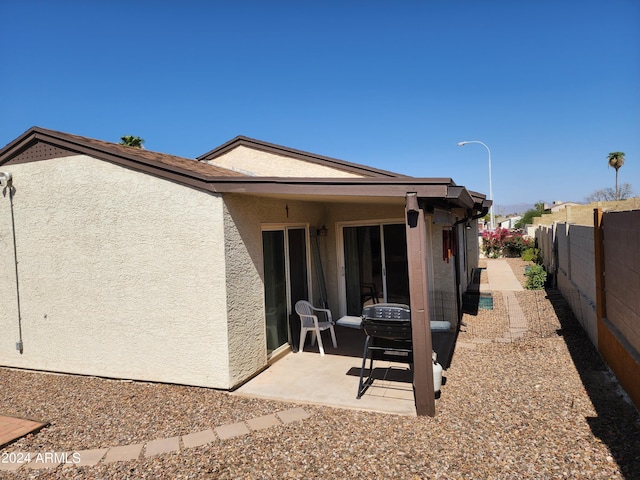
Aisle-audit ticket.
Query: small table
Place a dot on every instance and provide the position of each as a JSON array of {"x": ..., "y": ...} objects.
[{"x": 350, "y": 322}]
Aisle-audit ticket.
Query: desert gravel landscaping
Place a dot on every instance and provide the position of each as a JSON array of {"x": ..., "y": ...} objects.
[{"x": 542, "y": 406}]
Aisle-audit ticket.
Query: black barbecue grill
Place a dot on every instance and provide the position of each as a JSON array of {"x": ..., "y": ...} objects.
[{"x": 388, "y": 329}]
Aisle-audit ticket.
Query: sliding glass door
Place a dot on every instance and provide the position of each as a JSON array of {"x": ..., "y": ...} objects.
[
  {"x": 375, "y": 265},
  {"x": 285, "y": 282}
]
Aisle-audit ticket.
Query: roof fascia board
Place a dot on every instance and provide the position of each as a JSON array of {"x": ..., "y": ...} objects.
[
  {"x": 343, "y": 181},
  {"x": 17, "y": 145},
  {"x": 316, "y": 189},
  {"x": 461, "y": 197},
  {"x": 298, "y": 155}
]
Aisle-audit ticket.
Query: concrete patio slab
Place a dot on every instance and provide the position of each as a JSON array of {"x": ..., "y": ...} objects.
[
  {"x": 307, "y": 377},
  {"x": 332, "y": 379}
]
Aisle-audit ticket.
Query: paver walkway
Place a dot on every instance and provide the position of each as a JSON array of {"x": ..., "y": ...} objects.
[
  {"x": 12, "y": 428},
  {"x": 500, "y": 277},
  {"x": 123, "y": 453},
  {"x": 502, "y": 280},
  {"x": 517, "y": 320}
]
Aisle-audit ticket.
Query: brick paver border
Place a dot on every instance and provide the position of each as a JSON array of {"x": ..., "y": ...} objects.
[{"x": 123, "y": 453}]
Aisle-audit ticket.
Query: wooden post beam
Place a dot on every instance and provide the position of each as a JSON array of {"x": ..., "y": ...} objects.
[{"x": 420, "y": 313}]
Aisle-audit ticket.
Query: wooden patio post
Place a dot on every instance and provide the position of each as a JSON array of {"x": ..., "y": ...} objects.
[{"x": 420, "y": 313}]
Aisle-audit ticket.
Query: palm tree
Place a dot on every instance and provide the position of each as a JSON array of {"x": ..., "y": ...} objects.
[
  {"x": 616, "y": 160},
  {"x": 131, "y": 141}
]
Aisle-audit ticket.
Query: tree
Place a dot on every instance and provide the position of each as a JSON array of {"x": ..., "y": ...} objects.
[
  {"x": 609, "y": 194},
  {"x": 528, "y": 216},
  {"x": 131, "y": 141},
  {"x": 616, "y": 160}
]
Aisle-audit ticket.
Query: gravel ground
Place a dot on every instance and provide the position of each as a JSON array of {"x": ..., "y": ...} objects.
[{"x": 541, "y": 407}]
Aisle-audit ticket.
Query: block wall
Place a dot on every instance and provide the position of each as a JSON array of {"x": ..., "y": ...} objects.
[
  {"x": 622, "y": 273},
  {"x": 617, "y": 336},
  {"x": 619, "y": 332},
  {"x": 576, "y": 273}
]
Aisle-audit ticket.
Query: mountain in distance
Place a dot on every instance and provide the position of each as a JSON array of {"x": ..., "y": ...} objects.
[{"x": 512, "y": 209}]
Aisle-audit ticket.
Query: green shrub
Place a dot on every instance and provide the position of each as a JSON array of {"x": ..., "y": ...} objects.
[
  {"x": 531, "y": 255},
  {"x": 536, "y": 277},
  {"x": 514, "y": 244}
]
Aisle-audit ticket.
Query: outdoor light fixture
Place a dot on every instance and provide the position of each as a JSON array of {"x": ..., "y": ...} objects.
[
  {"x": 5, "y": 179},
  {"x": 322, "y": 231},
  {"x": 492, "y": 222}
]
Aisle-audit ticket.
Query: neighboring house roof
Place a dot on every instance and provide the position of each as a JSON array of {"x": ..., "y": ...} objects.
[
  {"x": 42, "y": 144},
  {"x": 362, "y": 170},
  {"x": 557, "y": 206}
]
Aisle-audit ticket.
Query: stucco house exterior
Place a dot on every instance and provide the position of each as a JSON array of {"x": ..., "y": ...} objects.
[{"x": 126, "y": 263}]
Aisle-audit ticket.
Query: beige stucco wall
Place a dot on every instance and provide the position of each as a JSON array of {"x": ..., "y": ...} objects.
[
  {"x": 249, "y": 214},
  {"x": 121, "y": 274},
  {"x": 245, "y": 217},
  {"x": 263, "y": 164},
  {"x": 443, "y": 283},
  {"x": 245, "y": 293}
]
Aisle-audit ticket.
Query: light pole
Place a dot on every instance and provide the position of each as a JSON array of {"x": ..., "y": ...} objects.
[{"x": 492, "y": 222}]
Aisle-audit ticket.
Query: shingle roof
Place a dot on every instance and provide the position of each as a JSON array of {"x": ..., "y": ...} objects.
[
  {"x": 41, "y": 144},
  {"x": 110, "y": 151}
]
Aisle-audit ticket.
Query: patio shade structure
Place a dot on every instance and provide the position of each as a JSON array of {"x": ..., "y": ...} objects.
[{"x": 224, "y": 206}]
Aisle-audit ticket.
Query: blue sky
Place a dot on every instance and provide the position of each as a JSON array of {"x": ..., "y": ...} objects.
[{"x": 550, "y": 86}]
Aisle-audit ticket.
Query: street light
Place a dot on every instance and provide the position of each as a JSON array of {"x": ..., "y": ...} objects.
[{"x": 460, "y": 144}]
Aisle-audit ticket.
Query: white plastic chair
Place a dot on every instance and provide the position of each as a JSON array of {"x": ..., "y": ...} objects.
[{"x": 309, "y": 323}]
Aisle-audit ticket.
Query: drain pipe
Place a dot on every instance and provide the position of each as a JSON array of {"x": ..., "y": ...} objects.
[
  {"x": 6, "y": 182},
  {"x": 469, "y": 218}
]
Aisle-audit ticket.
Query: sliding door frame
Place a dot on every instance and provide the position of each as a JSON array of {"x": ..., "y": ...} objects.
[
  {"x": 285, "y": 227},
  {"x": 341, "y": 266}
]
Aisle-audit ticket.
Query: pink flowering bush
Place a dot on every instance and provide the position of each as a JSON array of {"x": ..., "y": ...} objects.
[{"x": 502, "y": 242}]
